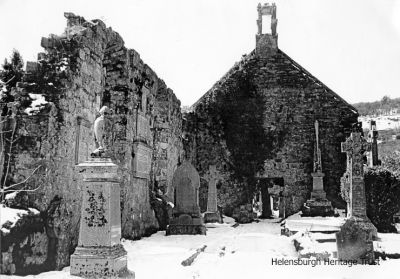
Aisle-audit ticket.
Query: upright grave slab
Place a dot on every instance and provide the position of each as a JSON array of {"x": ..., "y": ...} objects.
[
  {"x": 355, "y": 238},
  {"x": 212, "y": 215},
  {"x": 186, "y": 217}
]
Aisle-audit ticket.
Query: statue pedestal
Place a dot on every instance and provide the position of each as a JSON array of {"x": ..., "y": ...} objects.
[
  {"x": 99, "y": 253},
  {"x": 318, "y": 205},
  {"x": 355, "y": 240}
]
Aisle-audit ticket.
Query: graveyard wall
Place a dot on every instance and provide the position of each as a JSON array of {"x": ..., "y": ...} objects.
[
  {"x": 86, "y": 67},
  {"x": 258, "y": 122}
]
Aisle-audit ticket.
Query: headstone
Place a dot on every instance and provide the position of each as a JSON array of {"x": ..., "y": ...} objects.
[
  {"x": 212, "y": 215},
  {"x": 186, "y": 217},
  {"x": 318, "y": 205},
  {"x": 355, "y": 238},
  {"x": 99, "y": 253},
  {"x": 373, "y": 139},
  {"x": 244, "y": 214}
]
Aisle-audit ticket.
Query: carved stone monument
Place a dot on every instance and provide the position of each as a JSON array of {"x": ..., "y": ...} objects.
[
  {"x": 99, "y": 129},
  {"x": 186, "y": 217},
  {"x": 355, "y": 238},
  {"x": 318, "y": 205},
  {"x": 373, "y": 139},
  {"x": 99, "y": 253},
  {"x": 212, "y": 215}
]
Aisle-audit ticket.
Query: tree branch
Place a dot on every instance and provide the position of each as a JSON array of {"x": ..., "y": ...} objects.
[
  {"x": 7, "y": 82},
  {"x": 22, "y": 182},
  {"x": 21, "y": 190}
]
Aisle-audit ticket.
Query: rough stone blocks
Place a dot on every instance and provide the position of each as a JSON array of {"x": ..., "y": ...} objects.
[
  {"x": 212, "y": 217},
  {"x": 314, "y": 208},
  {"x": 186, "y": 224}
]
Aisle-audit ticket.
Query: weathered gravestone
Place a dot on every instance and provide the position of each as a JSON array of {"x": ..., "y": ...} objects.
[
  {"x": 186, "y": 217},
  {"x": 373, "y": 139},
  {"x": 318, "y": 205},
  {"x": 212, "y": 215},
  {"x": 99, "y": 253},
  {"x": 355, "y": 238}
]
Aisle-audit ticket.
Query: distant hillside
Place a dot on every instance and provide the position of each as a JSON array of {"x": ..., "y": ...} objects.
[{"x": 385, "y": 106}]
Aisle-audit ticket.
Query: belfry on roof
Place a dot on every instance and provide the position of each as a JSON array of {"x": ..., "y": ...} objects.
[{"x": 266, "y": 40}]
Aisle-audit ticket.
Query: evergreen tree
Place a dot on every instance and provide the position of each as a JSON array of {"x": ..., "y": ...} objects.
[{"x": 12, "y": 71}]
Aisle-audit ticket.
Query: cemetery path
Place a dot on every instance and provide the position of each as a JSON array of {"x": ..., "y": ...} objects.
[
  {"x": 252, "y": 246},
  {"x": 246, "y": 251}
]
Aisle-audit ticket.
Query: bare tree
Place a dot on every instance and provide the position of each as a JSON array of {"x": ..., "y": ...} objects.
[{"x": 6, "y": 151}]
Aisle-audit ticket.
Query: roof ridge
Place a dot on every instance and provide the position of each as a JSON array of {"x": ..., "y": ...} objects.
[
  {"x": 317, "y": 81},
  {"x": 246, "y": 58}
]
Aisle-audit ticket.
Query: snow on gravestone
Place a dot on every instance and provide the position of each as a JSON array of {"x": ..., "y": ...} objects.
[
  {"x": 355, "y": 238},
  {"x": 186, "y": 213}
]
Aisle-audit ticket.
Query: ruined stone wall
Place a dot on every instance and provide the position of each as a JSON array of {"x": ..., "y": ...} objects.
[
  {"x": 167, "y": 136},
  {"x": 258, "y": 122},
  {"x": 81, "y": 70}
]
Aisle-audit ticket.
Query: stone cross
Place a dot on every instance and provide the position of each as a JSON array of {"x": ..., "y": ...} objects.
[
  {"x": 373, "y": 139},
  {"x": 317, "y": 159},
  {"x": 355, "y": 238},
  {"x": 318, "y": 205},
  {"x": 355, "y": 146},
  {"x": 212, "y": 178}
]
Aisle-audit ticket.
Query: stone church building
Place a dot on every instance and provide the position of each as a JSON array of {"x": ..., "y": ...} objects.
[
  {"x": 256, "y": 125},
  {"x": 254, "y": 128}
]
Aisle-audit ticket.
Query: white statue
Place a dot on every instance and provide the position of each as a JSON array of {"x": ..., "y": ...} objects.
[{"x": 99, "y": 132}]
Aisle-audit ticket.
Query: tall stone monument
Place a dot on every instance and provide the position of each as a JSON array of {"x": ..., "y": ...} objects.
[
  {"x": 355, "y": 238},
  {"x": 212, "y": 215},
  {"x": 373, "y": 139},
  {"x": 318, "y": 204},
  {"x": 186, "y": 216},
  {"x": 99, "y": 253}
]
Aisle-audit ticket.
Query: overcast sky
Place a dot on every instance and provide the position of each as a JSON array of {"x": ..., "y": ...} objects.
[{"x": 353, "y": 46}]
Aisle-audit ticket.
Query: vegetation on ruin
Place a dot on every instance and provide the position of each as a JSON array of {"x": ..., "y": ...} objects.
[
  {"x": 12, "y": 103},
  {"x": 248, "y": 142},
  {"x": 12, "y": 70},
  {"x": 382, "y": 189}
]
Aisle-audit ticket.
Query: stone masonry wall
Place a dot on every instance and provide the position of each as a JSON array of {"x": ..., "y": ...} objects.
[
  {"x": 258, "y": 122},
  {"x": 81, "y": 70}
]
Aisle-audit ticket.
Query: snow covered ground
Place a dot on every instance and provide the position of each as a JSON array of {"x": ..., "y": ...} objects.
[{"x": 246, "y": 251}]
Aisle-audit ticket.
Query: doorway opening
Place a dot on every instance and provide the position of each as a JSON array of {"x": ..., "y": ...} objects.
[{"x": 270, "y": 197}]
